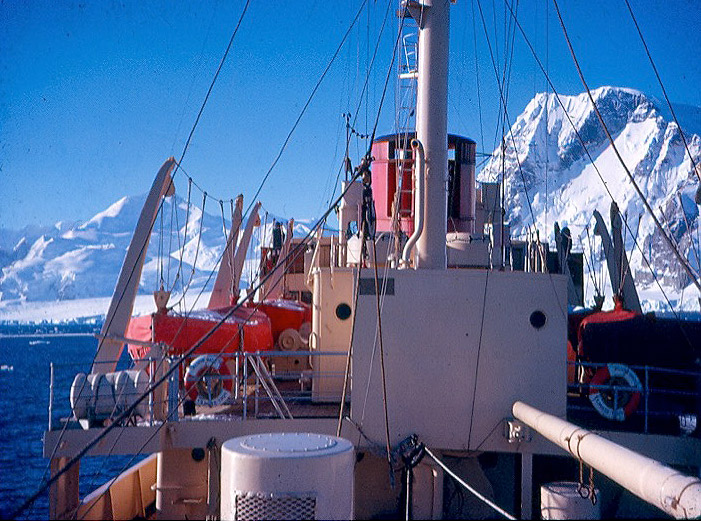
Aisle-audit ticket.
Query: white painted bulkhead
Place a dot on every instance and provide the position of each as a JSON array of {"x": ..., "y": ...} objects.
[{"x": 455, "y": 364}]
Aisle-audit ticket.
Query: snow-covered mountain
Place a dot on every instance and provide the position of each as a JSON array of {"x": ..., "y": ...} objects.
[
  {"x": 78, "y": 264},
  {"x": 72, "y": 261},
  {"x": 555, "y": 172},
  {"x": 83, "y": 260}
]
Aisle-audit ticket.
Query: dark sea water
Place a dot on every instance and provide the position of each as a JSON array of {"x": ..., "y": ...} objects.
[{"x": 24, "y": 400}]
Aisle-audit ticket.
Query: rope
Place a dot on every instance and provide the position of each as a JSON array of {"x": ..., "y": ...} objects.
[
  {"x": 470, "y": 488},
  {"x": 346, "y": 375},
  {"x": 667, "y": 239},
  {"x": 127, "y": 412},
  {"x": 214, "y": 80},
  {"x": 173, "y": 211},
  {"x": 178, "y": 275},
  {"x": 591, "y": 159},
  {"x": 664, "y": 91},
  {"x": 186, "y": 287},
  {"x": 181, "y": 247},
  {"x": 479, "y": 349},
  {"x": 382, "y": 355},
  {"x": 306, "y": 105},
  {"x": 160, "y": 244}
]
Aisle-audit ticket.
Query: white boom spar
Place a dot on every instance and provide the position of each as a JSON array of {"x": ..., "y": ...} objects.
[
  {"x": 240, "y": 256},
  {"x": 114, "y": 328},
  {"x": 225, "y": 289},
  {"x": 673, "y": 492}
]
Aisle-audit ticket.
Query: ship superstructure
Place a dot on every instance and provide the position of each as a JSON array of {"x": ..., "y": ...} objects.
[{"x": 422, "y": 337}]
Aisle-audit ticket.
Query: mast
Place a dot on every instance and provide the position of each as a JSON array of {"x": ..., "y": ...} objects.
[{"x": 433, "y": 18}]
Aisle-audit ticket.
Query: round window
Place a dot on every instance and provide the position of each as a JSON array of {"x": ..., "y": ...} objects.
[
  {"x": 343, "y": 311},
  {"x": 537, "y": 319}
]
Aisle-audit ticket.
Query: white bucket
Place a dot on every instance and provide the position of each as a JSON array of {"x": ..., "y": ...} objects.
[{"x": 562, "y": 501}]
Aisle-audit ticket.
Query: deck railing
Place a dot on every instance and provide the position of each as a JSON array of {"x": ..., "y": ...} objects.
[
  {"x": 669, "y": 399},
  {"x": 260, "y": 384}
]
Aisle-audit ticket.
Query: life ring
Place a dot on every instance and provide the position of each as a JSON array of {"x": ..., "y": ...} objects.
[
  {"x": 201, "y": 381},
  {"x": 611, "y": 375}
]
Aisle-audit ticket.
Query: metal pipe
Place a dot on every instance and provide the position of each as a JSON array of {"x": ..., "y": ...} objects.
[
  {"x": 419, "y": 175},
  {"x": 432, "y": 128},
  {"x": 151, "y": 369},
  {"x": 245, "y": 386},
  {"x": 674, "y": 493},
  {"x": 51, "y": 397}
]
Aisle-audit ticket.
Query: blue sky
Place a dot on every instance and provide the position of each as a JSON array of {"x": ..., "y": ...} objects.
[{"x": 95, "y": 95}]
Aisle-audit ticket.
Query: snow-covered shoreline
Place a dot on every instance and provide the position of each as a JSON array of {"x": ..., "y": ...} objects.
[
  {"x": 80, "y": 310},
  {"x": 93, "y": 310}
]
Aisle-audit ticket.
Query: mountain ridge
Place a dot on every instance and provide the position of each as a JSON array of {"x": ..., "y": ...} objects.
[
  {"x": 547, "y": 158},
  {"x": 78, "y": 260}
]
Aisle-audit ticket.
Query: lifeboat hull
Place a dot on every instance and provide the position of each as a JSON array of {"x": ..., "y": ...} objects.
[{"x": 180, "y": 333}]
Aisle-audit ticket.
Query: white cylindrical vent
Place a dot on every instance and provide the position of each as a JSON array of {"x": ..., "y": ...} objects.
[
  {"x": 287, "y": 476},
  {"x": 562, "y": 501}
]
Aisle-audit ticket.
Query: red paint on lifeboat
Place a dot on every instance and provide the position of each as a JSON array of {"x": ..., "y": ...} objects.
[
  {"x": 180, "y": 332},
  {"x": 284, "y": 314}
]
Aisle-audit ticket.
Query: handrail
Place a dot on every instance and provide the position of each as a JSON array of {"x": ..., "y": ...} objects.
[{"x": 270, "y": 388}]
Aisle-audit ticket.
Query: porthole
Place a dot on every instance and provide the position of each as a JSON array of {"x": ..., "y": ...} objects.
[
  {"x": 343, "y": 311},
  {"x": 538, "y": 319},
  {"x": 198, "y": 454}
]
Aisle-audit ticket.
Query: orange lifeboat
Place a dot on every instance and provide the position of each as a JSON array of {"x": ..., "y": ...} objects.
[
  {"x": 181, "y": 332},
  {"x": 284, "y": 314}
]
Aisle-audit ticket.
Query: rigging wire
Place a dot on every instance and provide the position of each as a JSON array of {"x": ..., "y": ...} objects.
[
  {"x": 214, "y": 80},
  {"x": 173, "y": 209},
  {"x": 592, "y": 270},
  {"x": 664, "y": 91},
  {"x": 160, "y": 243},
  {"x": 197, "y": 252},
  {"x": 178, "y": 276},
  {"x": 117, "y": 422},
  {"x": 181, "y": 246},
  {"x": 694, "y": 165},
  {"x": 306, "y": 106},
  {"x": 506, "y": 116},
  {"x": 688, "y": 229},
  {"x": 477, "y": 76},
  {"x": 346, "y": 373},
  {"x": 382, "y": 351},
  {"x": 586, "y": 151},
  {"x": 468, "y": 487},
  {"x": 364, "y": 92},
  {"x": 667, "y": 239}
]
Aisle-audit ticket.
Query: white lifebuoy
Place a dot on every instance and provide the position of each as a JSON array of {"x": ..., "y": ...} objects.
[
  {"x": 208, "y": 380},
  {"x": 602, "y": 378}
]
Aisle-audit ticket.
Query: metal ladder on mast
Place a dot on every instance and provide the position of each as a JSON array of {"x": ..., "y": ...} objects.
[
  {"x": 407, "y": 75},
  {"x": 407, "y": 82}
]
